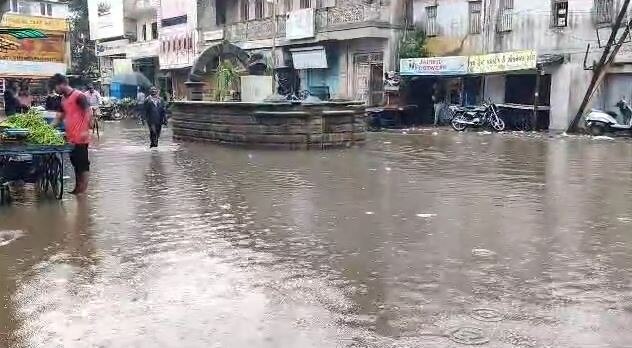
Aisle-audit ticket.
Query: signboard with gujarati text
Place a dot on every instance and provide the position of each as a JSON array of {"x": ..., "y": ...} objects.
[
  {"x": 21, "y": 21},
  {"x": 500, "y": 62},
  {"x": 454, "y": 65},
  {"x": 51, "y": 49}
]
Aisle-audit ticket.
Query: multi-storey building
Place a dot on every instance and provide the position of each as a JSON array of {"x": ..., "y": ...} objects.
[
  {"x": 339, "y": 48},
  {"x": 559, "y": 32},
  {"x": 126, "y": 32},
  {"x": 36, "y": 60}
]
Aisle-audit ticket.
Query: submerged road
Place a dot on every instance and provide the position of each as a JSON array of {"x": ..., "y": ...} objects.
[{"x": 432, "y": 240}]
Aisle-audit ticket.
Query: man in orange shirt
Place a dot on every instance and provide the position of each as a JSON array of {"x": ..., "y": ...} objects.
[{"x": 77, "y": 117}]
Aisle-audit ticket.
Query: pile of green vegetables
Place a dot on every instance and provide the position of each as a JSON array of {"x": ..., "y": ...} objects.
[{"x": 40, "y": 133}]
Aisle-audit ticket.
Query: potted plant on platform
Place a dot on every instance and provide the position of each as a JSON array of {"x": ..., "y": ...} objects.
[{"x": 227, "y": 76}]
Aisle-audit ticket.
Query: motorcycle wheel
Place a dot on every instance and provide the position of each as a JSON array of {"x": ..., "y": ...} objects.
[
  {"x": 456, "y": 123},
  {"x": 498, "y": 125},
  {"x": 597, "y": 129}
]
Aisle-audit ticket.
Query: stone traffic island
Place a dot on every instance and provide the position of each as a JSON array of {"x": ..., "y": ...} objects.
[{"x": 283, "y": 125}]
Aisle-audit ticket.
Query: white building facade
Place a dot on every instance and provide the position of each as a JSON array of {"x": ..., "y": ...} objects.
[
  {"x": 126, "y": 34},
  {"x": 559, "y": 32}
]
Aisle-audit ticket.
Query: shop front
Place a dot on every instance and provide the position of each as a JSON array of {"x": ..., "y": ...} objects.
[
  {"x": 318, "y": 70},
  {"x": 519, "y": 83},
  {"x": 34, "y": 61}
]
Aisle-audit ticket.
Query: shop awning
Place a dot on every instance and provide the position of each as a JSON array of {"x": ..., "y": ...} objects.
[{"x": 309, "y": 57}]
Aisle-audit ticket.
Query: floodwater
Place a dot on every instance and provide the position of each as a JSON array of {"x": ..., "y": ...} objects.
[{"x": 431, "y": 240}]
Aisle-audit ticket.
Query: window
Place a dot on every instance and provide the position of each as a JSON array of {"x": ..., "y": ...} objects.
[
  {"x": 245, "y": 9},
  {"x": 14, "y": 6},
  {"x": 144, "y": 32},
  {"x": 306, "y": 3},
  {"x": 46, "y": 9},
  {"x": 154, "y": 30},
  {"x": 560, "y": 14},
  {"x": 505, "y": 16},
  {"x": 288, "y": 6},
  {"x": 431, "y": 21},
  {"x": 475, "y": 17},
  {"x": 603, "y": 11},
  {"x": 258, "y": 9}
]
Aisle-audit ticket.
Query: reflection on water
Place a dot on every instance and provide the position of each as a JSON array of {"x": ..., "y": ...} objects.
[{"x": 433, "y": 240}]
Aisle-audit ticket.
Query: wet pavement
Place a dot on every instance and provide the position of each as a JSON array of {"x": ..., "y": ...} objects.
[{"x": 430, "y": 240}]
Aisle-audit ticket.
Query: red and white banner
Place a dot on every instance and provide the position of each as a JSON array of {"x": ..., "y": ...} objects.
[{"x": 178, "y": 50}]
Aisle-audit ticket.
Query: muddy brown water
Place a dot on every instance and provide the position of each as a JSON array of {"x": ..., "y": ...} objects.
[{"x": 445, "y": 240}]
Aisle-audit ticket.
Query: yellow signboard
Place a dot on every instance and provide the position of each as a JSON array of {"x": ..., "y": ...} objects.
[
  {"x": 500, "y": 62},
  {"x": 51, "y": 49},
  {"x": 42, "y": 23}
]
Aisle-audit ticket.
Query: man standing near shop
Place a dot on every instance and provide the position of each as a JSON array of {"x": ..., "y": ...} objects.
[
  {"x": 77, "y": 117},
  {"x": 12, "y": 103}
]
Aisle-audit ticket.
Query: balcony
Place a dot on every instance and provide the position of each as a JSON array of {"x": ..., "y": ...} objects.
[
  {"x": 352, "y": 16},
  {"x": 258, "y": 29},
  {"x": 327, "y": 19}
]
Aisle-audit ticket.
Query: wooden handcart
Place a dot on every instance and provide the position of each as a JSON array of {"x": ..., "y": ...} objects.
[{"x": 42, "y": 166}]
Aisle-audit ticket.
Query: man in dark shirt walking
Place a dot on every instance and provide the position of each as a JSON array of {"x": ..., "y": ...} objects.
[{"x": 155, "y": 114}]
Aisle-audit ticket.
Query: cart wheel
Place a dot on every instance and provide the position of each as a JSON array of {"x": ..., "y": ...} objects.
[{"x": 56, "y": 177}]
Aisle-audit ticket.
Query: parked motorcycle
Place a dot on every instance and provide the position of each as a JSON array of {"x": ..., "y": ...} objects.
[
  {"x": 485, "y": 116},
  {"x": 599, "y": 122}
]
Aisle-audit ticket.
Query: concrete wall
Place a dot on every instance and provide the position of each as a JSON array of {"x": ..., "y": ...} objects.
[
  {"x": 494, "y": 88},
  {"x": 531, "y": 28}
]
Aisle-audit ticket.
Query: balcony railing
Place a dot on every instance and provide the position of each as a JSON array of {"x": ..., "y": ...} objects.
[{"x": 327, "y": 19}]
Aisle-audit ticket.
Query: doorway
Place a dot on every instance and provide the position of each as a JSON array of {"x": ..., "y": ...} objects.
[{"x": 368, "y": 83}]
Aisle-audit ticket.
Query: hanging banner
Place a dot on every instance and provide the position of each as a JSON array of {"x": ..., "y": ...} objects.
[
  {"x": 48, "y": 24},
  {"x": 454, "y": 65},
  {"x": 51, "y": 49},
  {"x": 309, "y": 58},
  {"x": 300, "y": 24},
  {"x": 106, "y": 19},
  {"x": 500, "y": 62}
]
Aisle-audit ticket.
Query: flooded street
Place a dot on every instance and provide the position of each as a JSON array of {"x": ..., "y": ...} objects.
[{"x": 443, "y": 240}]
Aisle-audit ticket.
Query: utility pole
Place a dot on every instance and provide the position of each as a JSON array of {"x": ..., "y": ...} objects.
[
  {"x": 274, "y": 36},
  {"x": 601, "y": 67}
]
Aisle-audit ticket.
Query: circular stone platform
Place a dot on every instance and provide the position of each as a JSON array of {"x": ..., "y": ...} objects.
[{"x": 285, "y": 125}]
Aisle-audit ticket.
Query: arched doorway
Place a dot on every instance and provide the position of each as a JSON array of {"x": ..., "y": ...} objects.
[{"x": 209, "y": 56}]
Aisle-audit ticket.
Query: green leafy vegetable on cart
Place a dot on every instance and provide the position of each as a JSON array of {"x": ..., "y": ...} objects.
[{"x": 40, "y": 132}]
